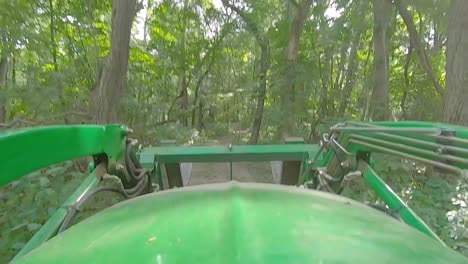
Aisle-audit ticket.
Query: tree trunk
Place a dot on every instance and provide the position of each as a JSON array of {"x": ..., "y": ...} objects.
[
  {"x": 205, "y": 73},
  {"x": 183, "y": 83},
  {"x": 201, "y": 123},
  {"x": 52, "y": 35},
  {"x": 331, "y": 95},
  {"x": 324, "y": 73},
  {"x": 380, "y": 97},
  {"x": 407, "y": 82},
  {"x": 197, "y": 89},
  {"x": 3, "y": 82},
  {"x": 184, "y": 97},
  {"x": 323, "y": 91},
  {"x": 13, "y": 70},
  {"x": 261, "y": 94},
  {"x": 455, "y": 106},
  {"x": 112, "y": 82},
  {"x": 350, "y": 75},
  {"x": 98, "y": 64},
  {"x": 340, "y": 73},
  {"x": 366, "y": 93},
  {"x": 264, "y": 47},
  {"x": 415, "y": 40},
  {"x": 287, "y": 97}
]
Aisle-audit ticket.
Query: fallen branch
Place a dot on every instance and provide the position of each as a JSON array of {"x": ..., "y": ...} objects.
[{"x": 164, "y": 122}]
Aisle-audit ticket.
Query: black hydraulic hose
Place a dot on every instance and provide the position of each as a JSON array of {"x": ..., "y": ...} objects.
[
  {"x": 143, "y": 183},
  {"x": 138, "y": 188},
  {"x": 130, "y": 163},
  {"x": 76, "y": 207},
  {"x": 134, "y": 159},
  {"x": 126, "y": 193},
  {"x": 324, "y": 184},
  {"x": 133, "y": 165},
  {"x": 331, "y": 178}
]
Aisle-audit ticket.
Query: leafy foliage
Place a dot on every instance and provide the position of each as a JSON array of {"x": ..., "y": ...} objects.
[
  {"x": 33, "y": 199},
  {"x": 193, "y": 71},
  {"x": 440, "y": 199},
  {"x": 30, "y": 201},
  {"x": 178, "y": 41}
]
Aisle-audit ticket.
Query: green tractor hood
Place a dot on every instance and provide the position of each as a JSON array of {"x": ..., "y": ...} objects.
[{"x": 241, "y": 223}]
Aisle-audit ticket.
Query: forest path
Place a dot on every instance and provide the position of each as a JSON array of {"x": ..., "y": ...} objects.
[{"x": 202, "y": 173}]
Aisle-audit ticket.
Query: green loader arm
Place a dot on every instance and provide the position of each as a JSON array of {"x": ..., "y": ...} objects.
[
  {"x": 29, "y": 149},
  {"x": 236, "y": 223},
  {"x": 348, "y": 147}
]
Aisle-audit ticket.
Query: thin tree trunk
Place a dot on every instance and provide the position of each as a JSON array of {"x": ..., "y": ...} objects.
[
  {"x": 415, "y": 39},
  {"x": 340, "y": 74},
  {"x": 264, "y": 47},
  {"x": 201, "y": 123},
  {"x": 261, "y": 94},
  {"x": 3, "y": 81},
  {"x": 95, "y": 49},
  {"x": 197, "y": 89},
  {"x": 455, "y": 106},
  {"x": 54, "y": 51},
  {"x": 195, "y": 101},
  {"x": 205, "y": 73},
  {"x": 350, "y": 74},
  {"x": 184, "y": 97},
  {"x": 366, "y": 93},
  {"x": 113, "y": 79},
  {"x": 380, "y": 93},
  {"x": 52, "y": 35},
  {"x": 331, "y": 96},
  {"x": 407, "y": 82},
  {"x": 323, "y": 94},
  {"x": 287, "y": 97},
  {"x": 13, "y": 70},
  {"x": 183, "y": 83}
]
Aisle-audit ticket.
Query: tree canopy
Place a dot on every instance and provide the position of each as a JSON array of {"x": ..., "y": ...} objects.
[
  {"x": 191, "y": 69},
  {"x": 268, "y": 67}
]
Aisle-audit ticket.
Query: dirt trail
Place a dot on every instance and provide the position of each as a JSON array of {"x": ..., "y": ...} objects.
[{"x": 220, "y": 172}]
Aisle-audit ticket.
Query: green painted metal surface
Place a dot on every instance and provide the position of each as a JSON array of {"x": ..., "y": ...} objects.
[
  {"x": 420, "y": 145},
  {"x": 393, "y": 201},
  {"x": 432, "y": 148},
  {"x": 225, "y": 154},
  {"x": 242, "y": 223},
  {"x": 236, "y": 223},
  {"x": 30, "y": 149},
  {"x": 293, "y": 154},
  {"x": 26, "y": 150}
]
